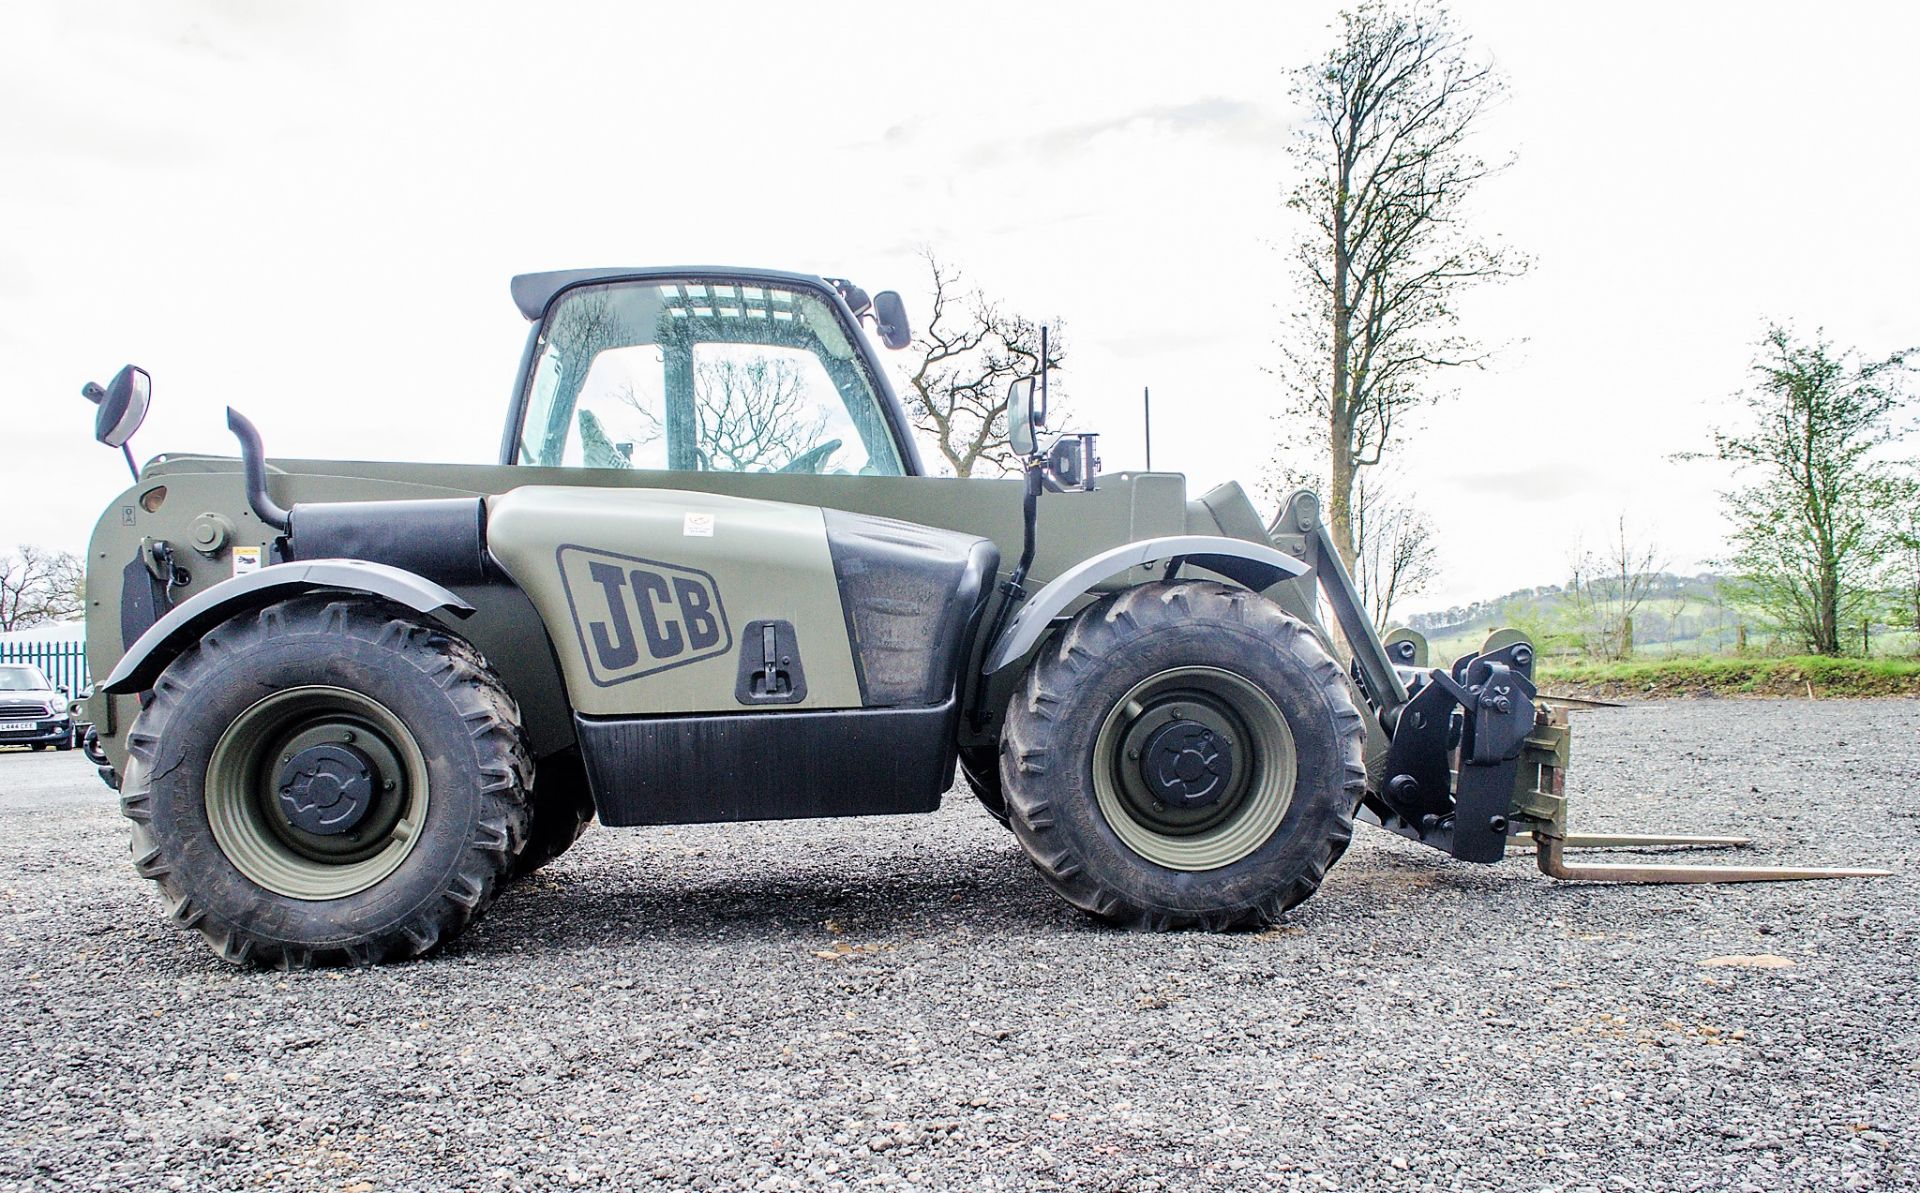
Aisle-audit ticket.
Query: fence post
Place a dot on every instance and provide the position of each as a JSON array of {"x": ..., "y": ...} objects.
[{"x": 65, "y": 663}]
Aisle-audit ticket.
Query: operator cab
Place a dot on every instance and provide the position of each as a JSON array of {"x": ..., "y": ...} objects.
[{"x": 710, "y": 371}]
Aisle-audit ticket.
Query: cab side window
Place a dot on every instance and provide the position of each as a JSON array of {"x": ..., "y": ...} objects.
[{"x": 702, "y": 377}]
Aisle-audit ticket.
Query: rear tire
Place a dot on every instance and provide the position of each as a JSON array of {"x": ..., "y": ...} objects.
[
  {"x": 329, "y": 780},
  {"x": 1183, "y": 755}
]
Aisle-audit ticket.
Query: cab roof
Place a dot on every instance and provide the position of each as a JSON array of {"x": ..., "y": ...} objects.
[{"x": 532, "y": 292}]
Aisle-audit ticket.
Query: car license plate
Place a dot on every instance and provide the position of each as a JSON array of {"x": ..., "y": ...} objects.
[{"x": 16, "y": 726}]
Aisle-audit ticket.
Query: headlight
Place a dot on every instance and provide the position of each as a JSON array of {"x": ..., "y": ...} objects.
[{"x": 58, "y": 703}]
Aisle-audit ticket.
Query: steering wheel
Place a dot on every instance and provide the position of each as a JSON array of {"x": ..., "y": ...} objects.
[{"x": 809, "y": 461}]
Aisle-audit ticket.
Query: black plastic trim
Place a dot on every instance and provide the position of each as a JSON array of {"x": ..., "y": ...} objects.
[
  {"x": 442, "y": 539},
  {"x": 786, "y": 765},
  {"x": 908, "y": 593},
  {"x": 143, "y": 600},
  {"x": 779, "y": 680}
]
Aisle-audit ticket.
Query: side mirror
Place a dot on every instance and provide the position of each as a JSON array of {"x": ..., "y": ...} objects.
[
  {"x": 1073, "y": 464},
  {"x": 123, "y": 405},
  {"x": 1024, "y": 416},
  {"x": 890, "y": 319}
]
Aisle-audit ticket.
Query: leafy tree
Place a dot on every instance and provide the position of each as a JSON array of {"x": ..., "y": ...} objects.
[
  {"x": 38, "y": 586},
  {"x": 1903, "y": 560},
  {"x": 1388, "y": 169},
  {"x": 969, "y": 350},
  {"x": 1813, "y": 524},
  {"x": 1543, "y": 621}
]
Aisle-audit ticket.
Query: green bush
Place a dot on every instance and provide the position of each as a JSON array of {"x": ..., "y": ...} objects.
[{"x": 1789, "y": 676}]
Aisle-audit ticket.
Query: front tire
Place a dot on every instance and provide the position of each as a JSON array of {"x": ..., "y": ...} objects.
[
  {"x": 980, "y": 768},
  {"x": 327, "y": 780},
  {"x": 1184, "y": 755},
  {"x": 562, "y": 807}
]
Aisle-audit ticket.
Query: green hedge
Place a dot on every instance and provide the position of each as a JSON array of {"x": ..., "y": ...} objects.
[{"x": 1735, "y": 677}]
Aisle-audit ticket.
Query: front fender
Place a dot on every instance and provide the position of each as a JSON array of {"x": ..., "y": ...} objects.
[
  {"x": 1253, "y": 564},
  {"x": 169, "y": 637}
]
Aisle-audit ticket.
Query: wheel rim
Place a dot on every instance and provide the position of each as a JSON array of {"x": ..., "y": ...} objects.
[
  {"x": 1194, "y": 768},
  {"x": 316, "y": 792}
]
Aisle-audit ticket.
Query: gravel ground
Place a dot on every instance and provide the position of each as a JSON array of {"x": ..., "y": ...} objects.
[{"x": 899, "y": 1002}]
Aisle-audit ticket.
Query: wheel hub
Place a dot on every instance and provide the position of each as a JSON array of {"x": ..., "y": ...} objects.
[
  {"x": 1185, "y": 764},
  {"x": 1194, "y": 768},
  {"x": 326, "y": 789}
]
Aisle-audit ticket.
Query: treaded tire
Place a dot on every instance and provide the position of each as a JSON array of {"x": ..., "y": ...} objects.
[
  {"x": 1053, "y": 723},
  {"x": 562, "y": 806},
  {"x": 469, "y": 738},
  {"x": 981, "y": 771}
]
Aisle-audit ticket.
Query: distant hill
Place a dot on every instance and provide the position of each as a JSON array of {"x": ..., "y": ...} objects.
[{"x": 1682, "y": 615}]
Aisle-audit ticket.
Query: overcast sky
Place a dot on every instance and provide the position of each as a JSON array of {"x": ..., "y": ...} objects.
[{"x": 311, "y": 212}]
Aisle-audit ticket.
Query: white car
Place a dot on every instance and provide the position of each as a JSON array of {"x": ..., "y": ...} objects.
[{"x": 32, "y": 711}]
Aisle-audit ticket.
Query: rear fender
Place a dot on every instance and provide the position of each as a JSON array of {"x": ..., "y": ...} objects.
[
  {"x": 1255, "y": 565},
  {"x": 173, "y": 634}
]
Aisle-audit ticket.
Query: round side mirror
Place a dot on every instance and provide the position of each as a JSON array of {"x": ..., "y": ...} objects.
[
  {"x": 890, "y": 319},
  {"x": 1021, "y": 418},
  {"x": 123, "y": 405}
]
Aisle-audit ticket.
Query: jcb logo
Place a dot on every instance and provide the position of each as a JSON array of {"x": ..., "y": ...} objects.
[{"x": 638, "y": 616}]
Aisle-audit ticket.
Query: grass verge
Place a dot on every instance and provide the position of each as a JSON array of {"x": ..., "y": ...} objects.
[{"x": 1680, "y": 677}]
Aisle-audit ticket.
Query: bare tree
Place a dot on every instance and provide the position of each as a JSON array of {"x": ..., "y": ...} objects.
[
  {"x": 1388, "y": 168},
  {"x": 1813, "y": 524},
  {"x": 755, "y": 414},
  {"x": 1676, "y": 617},
  {"x": 38, "y": 586},
  {"x": 969, "y": 350},
  {"x": 1395, "y": 556},
  {"x": 1608, "y": 588},
  {"x": 750, "y": 414},
  {"x": 577, "y": 332}
]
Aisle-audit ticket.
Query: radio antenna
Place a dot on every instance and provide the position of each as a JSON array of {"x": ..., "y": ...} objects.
[
  {"x": 1146, "y": 403},
  {"x": 1043, "y": 366}
]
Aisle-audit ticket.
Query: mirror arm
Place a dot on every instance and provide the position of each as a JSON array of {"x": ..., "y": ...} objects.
[
  {"x": 1013, "y": 590},
  {"x": 1030, "y": 518}
]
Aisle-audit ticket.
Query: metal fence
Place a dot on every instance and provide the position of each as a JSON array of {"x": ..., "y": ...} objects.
[{"x": 65, "y": 663}]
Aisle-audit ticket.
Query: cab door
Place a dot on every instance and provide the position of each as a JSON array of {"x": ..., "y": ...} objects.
[{"x": 743, "y": 376}]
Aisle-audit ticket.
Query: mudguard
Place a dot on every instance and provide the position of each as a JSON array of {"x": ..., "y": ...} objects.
[
  {"x": 173, "y": 634},
  {"x": 1253, "y": 564}
]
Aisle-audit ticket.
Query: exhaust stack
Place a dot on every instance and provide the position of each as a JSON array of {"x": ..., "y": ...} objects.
[{"x": 254, "y": 457}]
